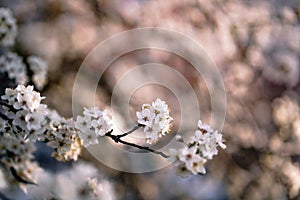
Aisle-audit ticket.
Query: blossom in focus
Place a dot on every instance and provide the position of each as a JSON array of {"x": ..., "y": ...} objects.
[
  {"x": 156, "y": 120},
  {"x": 28, "y": 113},
  {"x": 92, "y": 124},
  {"x": 32, "y": 120},
  {"x": 203, "y": 147},
  {"x": 8, "y": 27},
  {"x": 63, "y": 138}
]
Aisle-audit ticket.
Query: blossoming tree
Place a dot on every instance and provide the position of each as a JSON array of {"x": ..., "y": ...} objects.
[{"x": 25, "y": 120}]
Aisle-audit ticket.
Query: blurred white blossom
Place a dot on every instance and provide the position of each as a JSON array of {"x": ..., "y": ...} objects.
[
  {"x": 8, "y": 27},
  {"x": 13, "y": 65},
  {"x": 283, "y": 68},
  {"x": 83, "y": 181},
  {"x": 39, "y": 68}
]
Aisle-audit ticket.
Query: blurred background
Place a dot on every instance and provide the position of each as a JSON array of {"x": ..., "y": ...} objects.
[{"x": 256, "y": 46}]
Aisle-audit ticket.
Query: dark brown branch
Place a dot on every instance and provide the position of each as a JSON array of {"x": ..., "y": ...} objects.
[
  {"x": 117, "y": 139},
  {"x": 18, "y": 178},
  {"x": 131, "y": 131},
  {"x": 3, "y": 116},
  {"x": 4, "y": 103}
]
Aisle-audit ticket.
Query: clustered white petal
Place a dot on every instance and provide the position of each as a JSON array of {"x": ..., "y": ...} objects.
[
  {"x": 62, "y": 137},
  {"x": 16, "y": 154},
  {"x": 29, "y": 113},
  {"x": 92, "y": 124},
  {"x": 83, "y": 180},
  {"x": 13, "y": 65},
  {"x": 39, "y": 68},
  {"x": 8, "y": 27},
  {"x": 191, "y": 158},
  {"x": 156, "y": 119},
  {"x": 33, "y": 121}
]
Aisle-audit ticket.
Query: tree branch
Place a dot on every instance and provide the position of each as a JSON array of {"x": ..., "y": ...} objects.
[
  {"x": 118, "y": 139},
  {"x": 3, "y": 116},
  {"x": 131, "y": 131},
  {"x": 4, "y": 103},
  {"x": 18, "y": 178}
]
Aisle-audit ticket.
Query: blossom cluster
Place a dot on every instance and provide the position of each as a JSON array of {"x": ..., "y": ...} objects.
[
  {"x": 13, "y": 65},
  {"x": 156, "y": 120},
  {"x": 16, "y": 158},
  {"x": 24, "y": 120},
  {"x": 8, "y": 27},
  {"x": 39, "y": 68},
  {"x": 191, "y": 158},
  {"x": 61, "y": 135},
  {"x": 84, "y": 181},
  {"x": 34, "y": 121},
  {"x": 283, "y": 68},
  {"x": 26, "y": 111},
  {"x": 92, "y": 124}
]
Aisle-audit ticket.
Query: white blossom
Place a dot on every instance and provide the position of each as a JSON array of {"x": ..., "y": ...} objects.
[
  {"x": 283, "y": 68},
  {"x": 179, "y": 138},
  {"x": 19, "y": 120},
  {"x": 10, "y": 95},
  {"x": 92, "y": 124},
  {"x": 17, "y": 154},
  {"x": 8, "y": 27},
  {"x": 84, "y": 182},
  {"x": 39, "y": 68},
  {"x": 28, "y": 112},
  {"x": 13, "y": 65},
  {"x": 156, "y": 119},
  {"x": 145, "y": 117},
  {"x": 203, "y": 146},
  {"x": 63, "y": 138}
]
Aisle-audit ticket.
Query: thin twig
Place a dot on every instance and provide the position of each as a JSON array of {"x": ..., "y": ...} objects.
[
  {"x": 11, "y": 107},
  {"x": 3, "y": 116},
  {"x": 18, "y": 178},
  {"x": 117, "y": 139},
  {"x": 131, "y": 131},
  {"x": 4, "y": 103}
]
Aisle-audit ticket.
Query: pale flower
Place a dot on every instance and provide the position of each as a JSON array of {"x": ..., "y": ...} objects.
[
  {"x": 156, "y": 119},
  {"x": 145, "y": 117},
  {"x": 8, "y": 27},
  {"x": 196, "y": 165},
  {"x": 93, "y": 124},
  {"x": 192, "y": 157},
  {"x": 39, "y": 68},
  {"x": 13, "y": 65}
]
